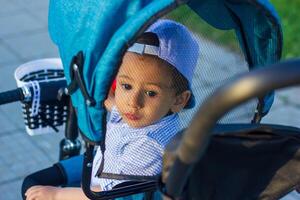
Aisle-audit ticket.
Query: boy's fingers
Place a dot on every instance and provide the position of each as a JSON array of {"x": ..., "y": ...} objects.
[
  {"x": 32, "y": 196},
  {"x": 40, "y": 192},
  {"x": 31, "y": 191}
]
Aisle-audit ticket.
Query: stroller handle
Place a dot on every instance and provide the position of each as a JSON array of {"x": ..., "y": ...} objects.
[
  {"x": 48, "y": 92},
  {"x": 197, "y": 136},
  {"x": 11, "y": 96}
]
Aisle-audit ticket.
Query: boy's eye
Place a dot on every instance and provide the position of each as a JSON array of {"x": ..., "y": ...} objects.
[
  {"x": 126, "y": 86},
  {"x": 151, "y": 93}
]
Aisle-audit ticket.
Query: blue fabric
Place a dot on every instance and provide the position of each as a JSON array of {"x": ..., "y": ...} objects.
[
  {"x": 73, "y": 169},
  {"x": 133, "y": 151},
  {"x": 258, "y": 21},
  {"x": 264, "y": 38},
  {"x": 213, "y": 12},
  {"x": 103, "y": 29}
]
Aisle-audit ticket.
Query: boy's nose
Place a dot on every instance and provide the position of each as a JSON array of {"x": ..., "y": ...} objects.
[{"x": 135, "y": 100}]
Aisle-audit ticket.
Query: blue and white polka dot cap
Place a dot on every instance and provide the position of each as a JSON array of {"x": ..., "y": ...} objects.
[{"x": 177, "y": 45}]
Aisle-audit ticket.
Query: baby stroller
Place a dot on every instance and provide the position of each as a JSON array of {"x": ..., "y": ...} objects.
[{"x": 103, "y": 44}]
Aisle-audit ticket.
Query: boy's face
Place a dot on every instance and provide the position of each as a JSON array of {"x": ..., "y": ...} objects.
[{"x": 144, "y": 92}]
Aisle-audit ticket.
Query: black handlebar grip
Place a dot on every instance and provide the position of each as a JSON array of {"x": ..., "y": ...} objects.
[{"x": 11, "y": 96}]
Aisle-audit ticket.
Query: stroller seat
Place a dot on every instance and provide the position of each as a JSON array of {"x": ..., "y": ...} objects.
[{"x": 244, "y": 161}]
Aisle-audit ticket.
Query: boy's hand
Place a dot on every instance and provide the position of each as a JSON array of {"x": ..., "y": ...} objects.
[
  {"x": 55, "y": 193},
  {"x": 41, "y": 193}
]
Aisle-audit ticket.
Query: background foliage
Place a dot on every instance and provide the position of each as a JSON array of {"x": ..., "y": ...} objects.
[{"x": 289, "y": 14}]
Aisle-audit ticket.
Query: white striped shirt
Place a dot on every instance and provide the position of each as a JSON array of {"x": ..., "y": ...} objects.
[{"x": 133, "y": 151}]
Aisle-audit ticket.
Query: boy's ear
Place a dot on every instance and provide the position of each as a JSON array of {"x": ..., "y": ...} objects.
[{"x": 180, "y": 101}]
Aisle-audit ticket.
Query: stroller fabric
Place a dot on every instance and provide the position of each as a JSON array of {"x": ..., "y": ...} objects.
[
  {"x": 103, "y": 29},
  {"x": 245, "y": 161}
]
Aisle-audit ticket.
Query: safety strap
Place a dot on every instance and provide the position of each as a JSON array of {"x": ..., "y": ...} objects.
[
  {"x": 127, "y": 177},
  {"x": 101, "y": 167}
]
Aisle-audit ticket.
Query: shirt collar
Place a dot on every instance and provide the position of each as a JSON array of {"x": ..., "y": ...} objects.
[{"x": 115, "y": 117}]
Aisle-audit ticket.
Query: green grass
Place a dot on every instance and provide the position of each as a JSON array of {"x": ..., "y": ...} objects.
[{"x": 288, "y": 11}]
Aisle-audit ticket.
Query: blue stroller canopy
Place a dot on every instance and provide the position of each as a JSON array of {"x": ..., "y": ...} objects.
[{"x": 103, "y": 29}]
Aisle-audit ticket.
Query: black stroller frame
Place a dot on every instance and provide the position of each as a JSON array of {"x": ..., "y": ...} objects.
[
  {"x": 189, "y": 150},
  {"x": 193, "y": 145}
]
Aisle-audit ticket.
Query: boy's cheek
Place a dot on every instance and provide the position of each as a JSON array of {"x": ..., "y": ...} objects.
[
  {"x": 118, "y": 96},
  {"x": 120, "y": 102}
]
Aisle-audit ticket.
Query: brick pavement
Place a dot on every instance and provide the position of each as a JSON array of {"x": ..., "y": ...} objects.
[{"x": 23, "y": 37}]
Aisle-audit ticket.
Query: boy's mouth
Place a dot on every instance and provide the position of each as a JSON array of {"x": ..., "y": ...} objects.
[{"x": 131, "y": 116}]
